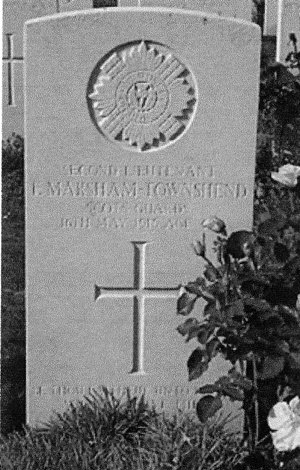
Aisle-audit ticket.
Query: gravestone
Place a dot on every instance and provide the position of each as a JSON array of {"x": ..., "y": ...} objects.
[
  {"x": 288, "y": 22},
  {"x": 133, "y": 137},
  {"x": 271, "y": 17},
  {"x": 15, "y": 13},
  {"x": 233, "y": 8}
]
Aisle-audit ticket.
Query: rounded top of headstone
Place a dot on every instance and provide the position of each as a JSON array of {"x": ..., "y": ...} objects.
[{"x": 141, "y": 96}]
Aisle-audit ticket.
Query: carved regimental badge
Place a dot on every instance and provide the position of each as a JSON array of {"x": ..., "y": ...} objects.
[{"x": 143, "y": 97}]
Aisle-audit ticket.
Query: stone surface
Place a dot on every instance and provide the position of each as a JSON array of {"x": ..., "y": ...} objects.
[
  {"x": 271, "y": 17},
  {"x": 129, "y": 3},
  {"x": 129, "y": 146},
  {"x": 72, "y": 5},
  {"x": 15, "y": 13},
  {"x": 233, "y": 8},
  {"x": 288, "y": 22}
]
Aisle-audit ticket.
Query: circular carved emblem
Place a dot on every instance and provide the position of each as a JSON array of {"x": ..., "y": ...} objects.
[{"x": 143, "y": 97}]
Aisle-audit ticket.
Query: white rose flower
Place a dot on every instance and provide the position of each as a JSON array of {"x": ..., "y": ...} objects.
[
  {"x": 284, "y": 421},
  {"x": 287, "y": 175}
]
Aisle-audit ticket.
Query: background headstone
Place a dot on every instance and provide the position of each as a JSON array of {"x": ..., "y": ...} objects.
[
  {"x": 233, "y": 8},
  {"x": 129, "y": 146},
  {"x": 15, "y": 13},
  {"x": 271, "y": 17},
  {"x": 288, "y": 22},
  {"x": 129, "y": 3}
]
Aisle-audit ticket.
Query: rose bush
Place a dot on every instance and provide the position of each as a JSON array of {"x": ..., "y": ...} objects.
[{"x": 251, "y": 318}]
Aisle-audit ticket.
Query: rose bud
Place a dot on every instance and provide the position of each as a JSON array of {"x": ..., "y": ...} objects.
[{"x": 215, "y": 224}]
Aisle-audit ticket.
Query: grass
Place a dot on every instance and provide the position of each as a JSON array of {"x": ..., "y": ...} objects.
[{"x": 107, "y": 433}]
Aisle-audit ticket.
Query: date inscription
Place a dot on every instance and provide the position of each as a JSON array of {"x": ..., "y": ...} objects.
[{"x": 135, "y": 197}]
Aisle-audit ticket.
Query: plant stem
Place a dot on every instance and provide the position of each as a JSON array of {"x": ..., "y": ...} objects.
[
  {"x": 292, "y": 206},
  {"x": 242, "y": 367},
  {"x": 203, "y": 443},
  {"x": 210, "y": 264}
]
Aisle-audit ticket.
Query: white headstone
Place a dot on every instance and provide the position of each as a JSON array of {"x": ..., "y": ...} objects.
[
  {"x": 233, "y": 8},
  {"x": 134, "y": 135},
  {"x": 271, "y": 17},
  {"x": 288, "y": 22}
]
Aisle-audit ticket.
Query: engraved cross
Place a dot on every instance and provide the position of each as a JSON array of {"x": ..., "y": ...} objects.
[
  {"x": 10, "y": 60},
  {"x": 139, "y": 292}
]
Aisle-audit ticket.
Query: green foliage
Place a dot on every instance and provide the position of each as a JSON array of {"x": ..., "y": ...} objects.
[
  {"x": 13, "y": 178},
  {"x": 280, "y": 97},
  {"x": 13, "y": 361},
  {"x": 13, "y": 280},
  {"x": 126, "y": 434},
  {"x": 207, "y": 406},
  {"x": 12, "y": 326},
  {"x": 12, "y": 154},
  {"x": 278, "y": 140},
  {"x": 250, "y": 317}
]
